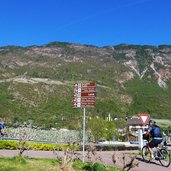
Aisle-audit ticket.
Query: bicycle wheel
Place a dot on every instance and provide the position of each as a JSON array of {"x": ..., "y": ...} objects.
[
  {"x": 164, "y": 157},
  {"x": 145, "y": 154}
]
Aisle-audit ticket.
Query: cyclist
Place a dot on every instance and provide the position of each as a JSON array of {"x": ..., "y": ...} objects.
[
  {"x": 156, "y": 135},
  {"x": 1, "y": 128}
]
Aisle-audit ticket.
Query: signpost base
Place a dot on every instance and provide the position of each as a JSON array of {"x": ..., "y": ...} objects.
[
  {"x": 140, "y": 139},
  {"x": 84, "y": 134}
]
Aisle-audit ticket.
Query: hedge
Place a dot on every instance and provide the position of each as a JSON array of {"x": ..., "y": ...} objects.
[{"x": 13, "y": 145}]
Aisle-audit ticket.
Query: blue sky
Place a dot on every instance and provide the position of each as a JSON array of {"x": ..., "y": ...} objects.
[{"x": 94, "y": 22}]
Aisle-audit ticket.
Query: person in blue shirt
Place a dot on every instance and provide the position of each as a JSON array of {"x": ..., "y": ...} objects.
[
  {"x": 156, "y": 135},
  {"x": 1, "y": 128}
]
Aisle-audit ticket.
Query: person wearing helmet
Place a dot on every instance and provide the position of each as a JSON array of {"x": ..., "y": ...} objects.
[{"x": 156, "y": 135}]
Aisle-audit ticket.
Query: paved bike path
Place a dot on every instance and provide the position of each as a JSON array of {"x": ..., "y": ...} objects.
[{"x": 103, "y": 156}]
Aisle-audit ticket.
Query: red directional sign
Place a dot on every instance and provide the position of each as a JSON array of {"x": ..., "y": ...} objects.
[
  {"x": 89, "y": 104},
  {"x": 88, "y": 94},
  {"x": 83, "y": 90},
  {"x": 85, "y": 100},
  {"x": 144, "y": 118},
  {"x": 88, "y": 98},
  {"x": 78, "y": 100},
  {"x": 91, "y": 84},
  {"x": 88, "y": 89}
]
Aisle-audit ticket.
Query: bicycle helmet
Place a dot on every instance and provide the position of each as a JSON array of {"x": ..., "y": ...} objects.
[{"x": 152, "y": 121}]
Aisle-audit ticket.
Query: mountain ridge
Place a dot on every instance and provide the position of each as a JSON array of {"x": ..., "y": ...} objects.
[{"x": 38, "y": 80}]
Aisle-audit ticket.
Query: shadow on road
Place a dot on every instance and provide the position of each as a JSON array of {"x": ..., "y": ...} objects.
[{"x": 151, "y": 162}]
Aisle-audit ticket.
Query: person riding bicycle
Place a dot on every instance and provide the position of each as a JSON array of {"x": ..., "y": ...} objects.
[
  {"x": 1, "y": 128},
  {"x": 156, "y": 135}
]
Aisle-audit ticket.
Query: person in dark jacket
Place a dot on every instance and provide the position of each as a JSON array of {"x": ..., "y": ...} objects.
[
  {"x": 156, "y": 135},
  {"x": 1, "y": 128}
]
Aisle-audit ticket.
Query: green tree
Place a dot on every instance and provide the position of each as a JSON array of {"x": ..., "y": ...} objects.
[
  {"x": 96, "y": 126},
  {"x": 110, "y": 130},
  {"x": 102, "y": 129}
]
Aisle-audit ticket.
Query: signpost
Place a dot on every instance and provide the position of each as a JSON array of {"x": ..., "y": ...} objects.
[
  {"x": 84, "y": 96},
  {"x": 140, "y": 138},
  {"x": 144, "y": 119}
]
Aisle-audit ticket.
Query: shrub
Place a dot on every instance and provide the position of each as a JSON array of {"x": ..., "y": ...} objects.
[
  {"x": 9, "y": 145},
  {"x": 13, "y": 145},
  {"x": 99, "y": 167}
]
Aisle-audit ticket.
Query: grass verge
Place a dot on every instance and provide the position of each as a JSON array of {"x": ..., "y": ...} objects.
[{"x": 33, "y": 164}]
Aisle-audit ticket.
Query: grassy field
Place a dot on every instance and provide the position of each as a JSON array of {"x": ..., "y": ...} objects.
[{"x": 33, "y": 164}]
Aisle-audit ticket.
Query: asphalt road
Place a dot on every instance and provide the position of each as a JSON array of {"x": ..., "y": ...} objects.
[{"x": 103, "y": 156}]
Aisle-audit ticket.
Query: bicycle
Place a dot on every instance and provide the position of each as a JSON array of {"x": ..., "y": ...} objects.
[
  {"x": 160, "y": 153},
  {"x": 3, "y": 136}
]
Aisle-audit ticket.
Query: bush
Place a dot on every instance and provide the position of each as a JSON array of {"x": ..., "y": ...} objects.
[
  {"x": 99, "y": 167},
  {"x": 13, "y": 145},
  {"x": 9, "y": 145}
]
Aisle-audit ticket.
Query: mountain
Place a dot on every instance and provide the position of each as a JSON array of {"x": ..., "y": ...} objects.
[{"x": 36, "y": 82}]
